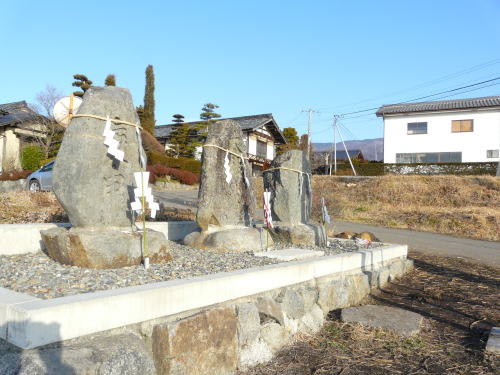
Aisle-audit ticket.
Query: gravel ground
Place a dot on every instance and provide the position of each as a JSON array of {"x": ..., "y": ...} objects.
[{"x": 39, "y": 276}]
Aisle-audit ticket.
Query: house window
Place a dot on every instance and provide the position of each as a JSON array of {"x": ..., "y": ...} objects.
[
  {"x": 492, "y": 153},
  {"x": 262, "y": 149},
  {"x": 429, "y": 157},
  {"x": 460, "y": 126},
  {"x": 417, "y": 128}
]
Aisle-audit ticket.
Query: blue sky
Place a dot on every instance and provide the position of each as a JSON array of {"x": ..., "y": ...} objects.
[{"x": 252, "y": 57}]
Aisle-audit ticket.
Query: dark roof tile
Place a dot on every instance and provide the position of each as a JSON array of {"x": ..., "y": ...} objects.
[{"x": 441, "y": 105}]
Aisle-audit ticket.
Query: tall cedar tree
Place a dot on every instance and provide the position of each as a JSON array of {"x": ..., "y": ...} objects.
[
  {"x": 292, "y": 140},
  {"x": 178, "y": 118},
  {"x": 148, "y": 118},
  {"x": 110, "y": 80},
  {"x": 83, "y": 83}
]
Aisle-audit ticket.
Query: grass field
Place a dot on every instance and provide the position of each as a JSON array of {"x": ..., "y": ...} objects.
[{"x": 461, "y": 206}]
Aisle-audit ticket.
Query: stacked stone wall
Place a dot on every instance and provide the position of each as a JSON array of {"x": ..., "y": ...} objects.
[{"x": 219, "y": 339}]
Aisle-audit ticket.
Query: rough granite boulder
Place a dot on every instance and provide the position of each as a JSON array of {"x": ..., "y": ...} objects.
[
  {"x": 103, "y": 247},
  {"x": 289, "y": 181},
  {"x": 226, "y": 201},
  {"x": 206, "y": 343},
  {"x": 95, "y": 189}
]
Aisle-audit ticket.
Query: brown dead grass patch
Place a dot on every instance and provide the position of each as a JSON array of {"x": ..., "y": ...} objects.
[
  {"x": 462, "y": 206},
  {"x": 30, "y": 207},
  {"x": 459, "y": 300}
]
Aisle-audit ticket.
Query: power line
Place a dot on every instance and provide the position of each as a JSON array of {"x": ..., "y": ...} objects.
[
  {"x": 429, "y": 83},
  {"x": 426, "y": 96}
]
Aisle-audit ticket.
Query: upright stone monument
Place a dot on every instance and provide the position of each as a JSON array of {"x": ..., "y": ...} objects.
[
  {"x": 289, "y": 181},
  {"x": 226, "y": 201},
  {"x": 95, "y": 189}
]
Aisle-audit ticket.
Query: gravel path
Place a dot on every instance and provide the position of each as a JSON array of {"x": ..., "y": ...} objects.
[{"x": 39, "y": 276}]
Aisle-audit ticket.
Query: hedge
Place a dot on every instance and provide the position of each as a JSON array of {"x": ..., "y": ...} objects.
[
  {"x": 187, "y": 164},
  {"x": 186, "y": 177},
  {"x": 379, "y": 169},
  {"x": 32, "y": 157}
]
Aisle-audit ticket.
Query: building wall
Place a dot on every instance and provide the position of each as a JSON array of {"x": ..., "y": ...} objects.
[
  {"x": 10, "y": 157},
  {"x": 439, "y": 138}
]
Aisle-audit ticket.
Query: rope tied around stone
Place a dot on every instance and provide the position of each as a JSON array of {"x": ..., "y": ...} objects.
[
  {"x": 105, "y": 119},
  {"x": 308, "y": 175},
  {"x": 286, "y": 169},
  {"x": 240, "y": 156},
  {"x": 227, "y": 151}
]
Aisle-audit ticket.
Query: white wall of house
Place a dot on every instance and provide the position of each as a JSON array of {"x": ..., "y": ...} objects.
[
  {"x": 439, "y": 138},
  {"x": 252, "y": 144}
]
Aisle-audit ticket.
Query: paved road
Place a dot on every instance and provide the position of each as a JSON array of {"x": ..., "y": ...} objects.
[
  {"x": 439, "y": 244},
  {"x": 432, "y": 243},
  {"x": 183, "y": 199}
]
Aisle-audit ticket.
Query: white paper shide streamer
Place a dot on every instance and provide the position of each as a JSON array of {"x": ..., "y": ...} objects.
[
  {"x": 227, "y": 168},
  {"x": 141, "y": 180},
  {"x": 111, "y": 142},
  {"x": 267, "y": 209},
  {"x": 324, "y": 212}
]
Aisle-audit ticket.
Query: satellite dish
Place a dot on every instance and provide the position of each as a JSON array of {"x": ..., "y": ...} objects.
[{"x": 64, "y": 107}]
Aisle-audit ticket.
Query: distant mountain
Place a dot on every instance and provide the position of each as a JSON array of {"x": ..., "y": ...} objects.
[{"x": 372, "y": 149}]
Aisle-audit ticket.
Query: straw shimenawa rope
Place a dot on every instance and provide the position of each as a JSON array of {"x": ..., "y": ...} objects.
[
  {"x": 286, "y": 169},
  {"x": 226, "y": 150},
  {"x": 105, "y": 119}
]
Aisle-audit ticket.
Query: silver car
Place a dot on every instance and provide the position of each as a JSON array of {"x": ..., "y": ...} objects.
[{"x": 41, "y": 179}]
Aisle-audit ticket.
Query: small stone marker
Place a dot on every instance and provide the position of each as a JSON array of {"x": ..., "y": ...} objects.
[
  {"x": 402, "y": 322},
  {"x": 290, "y": 254},
  {"x": 493, "y": 344},
  {"x": 226, "y": 201},
  {"x": 95, "y": 187},
  {"x": 289, "y": 181}
]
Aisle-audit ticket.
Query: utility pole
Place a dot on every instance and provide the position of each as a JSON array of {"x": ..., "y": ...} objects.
[
  {"x": 310, "y": 112},
  {"x": 347, "y": 152},
  {"x": 335, "y": 117}
]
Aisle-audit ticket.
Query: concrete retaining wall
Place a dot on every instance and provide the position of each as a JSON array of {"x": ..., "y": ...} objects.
[
  {"x": 214, "y": 324},
  {"x": 25, "y": 238},
  {"x": 8, "y": 186}
]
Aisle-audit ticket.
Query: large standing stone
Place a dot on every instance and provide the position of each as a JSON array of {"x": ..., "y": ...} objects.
[
  {"x": 95, "y": 189},
  {"x": 226, "y": 205},
  {"x": 289, "y": 181},
  {"x": 202, "y": 344},
  {"x": 91, "y": 185}
]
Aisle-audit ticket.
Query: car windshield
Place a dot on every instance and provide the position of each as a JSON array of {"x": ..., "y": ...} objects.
[{"x": 47, "y": 167}]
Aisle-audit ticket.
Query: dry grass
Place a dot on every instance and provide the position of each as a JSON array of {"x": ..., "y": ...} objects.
[
  {"x": 459, "y": 300},
  {"x": 28, "y": 207},
  {"x": 462, "y": 206}
]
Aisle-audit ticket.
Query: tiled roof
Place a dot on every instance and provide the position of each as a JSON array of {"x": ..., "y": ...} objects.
[
  {"x": 441, "y": 105},
  {"x": 15, "y": 113},
  {"x": 247, "y": 123}
]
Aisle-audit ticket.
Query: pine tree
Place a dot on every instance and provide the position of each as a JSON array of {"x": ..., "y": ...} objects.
[
  {"x": 292, "y": 140},
  {"x": 110, "y": 80},
  {"x": 178, "y": 118},
  {"x": 83, "y": 83},
  {"x": 184, "y": 140},
  {"x": 208, "y": 112},
  {"x": 148, "y": 118}
]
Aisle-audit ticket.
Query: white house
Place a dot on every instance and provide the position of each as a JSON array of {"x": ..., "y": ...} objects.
[
  {"x": 463, "y": 130},
  {"x": 261, "y": 134}
]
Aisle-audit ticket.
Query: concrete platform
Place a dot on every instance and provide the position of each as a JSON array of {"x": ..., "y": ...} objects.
[
  {"x": 493, "y": 344},
  {"x": 290, "y": 254},
  {"x": 402, "y": 322},
  {"x": 25, "y": 238},
  {"x": 29, "y": 322}
]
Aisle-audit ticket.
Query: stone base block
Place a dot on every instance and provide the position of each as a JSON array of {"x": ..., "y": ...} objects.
[
  {"x": 103, "y": 247},
  {"x": 231, "y": 239},
  {"x": 300, "y": 234}
]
